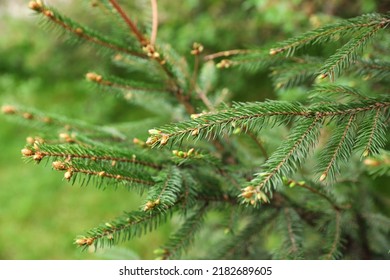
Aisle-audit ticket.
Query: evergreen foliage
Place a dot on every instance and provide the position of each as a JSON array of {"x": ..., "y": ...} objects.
[{"x": 307, "y": 190}]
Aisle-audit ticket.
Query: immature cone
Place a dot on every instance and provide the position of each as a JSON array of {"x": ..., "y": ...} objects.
[
  {"x": 47, "y": 120},
  {"x": 197, "y": 49},
  {"x": 323, "y": 177},
  {"x": 68, "y": 174},
  {"x": 225, "y": 63},
  {"x": 38, "y": 156},
  {"x": 84, "y": 241},
  {"x": 8, "y": 109},
  {"x": 35, "y": 5},
  {"x": 323, "y": 76},
  {"x": 149, "y": 205},
  {"x": 48, "y": 13},
  {"x": 371, "y": 162},
  {"x": 366, "y": 153},
  {"x": 79, "y": 30},
  {"x": 190, "y": 152},
  {"x": 27, "y": 152},
  {"x": 275, "y": 51},
  {"x": 28, "y": 116},
  {"x": 154, "y": 131},
  {"x": 195, "y": 132},
  {"x": 151, "y": 140},
  {"x": 262, "y": 196},
  {"x": 30, "y": 140},
  {"x": 68, "y": 138},
  {"x": 93, "y": 77},
  {"x": 164, "y": 139},
  {"x": 248, "y": 192},
  {"x": 59, "y": 165}
]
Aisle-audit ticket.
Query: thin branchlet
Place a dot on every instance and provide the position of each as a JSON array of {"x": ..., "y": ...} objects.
[
  {"x": 104, "y": 174},
  {"x": 81, "y": 32}
]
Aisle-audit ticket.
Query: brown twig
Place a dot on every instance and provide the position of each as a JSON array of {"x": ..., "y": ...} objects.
[
  {"x": 130, "y": 23},
  {"x": 313, "y": 190},
  {"x": 225, "y": 54},
  {"x": 154, "y": 22}
]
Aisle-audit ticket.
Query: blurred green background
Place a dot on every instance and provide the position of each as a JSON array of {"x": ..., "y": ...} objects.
[{"x": 40, "y": 214}]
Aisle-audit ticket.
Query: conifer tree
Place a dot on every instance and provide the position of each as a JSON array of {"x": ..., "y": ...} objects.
[{"x": 288, "y": 179}]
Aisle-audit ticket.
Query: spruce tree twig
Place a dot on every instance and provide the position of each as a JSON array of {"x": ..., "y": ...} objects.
[
  {"x": 130, "y": 23},
  {"x": 225, "y": 54},
  {"x": 110, "y": 82},
  {"x": 257, "y": 141},
  {"x": 78, "y": 31},
  {"x": 104, "y": 174},
  {"x": 153, "y": 36}
]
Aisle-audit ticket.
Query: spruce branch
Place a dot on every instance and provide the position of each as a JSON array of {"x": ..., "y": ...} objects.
[
  {"x": 123, "y": 228},
  {"x": 166, "y": 61},
  {"x": 326, "y": 33},
  {"x": 285, "y": 159},
  {"x": 339, "y": 148},
  {"x": 348, "y": 53},
  {"x": 153, "y": 36},
  {"x": 184, "y": 237},
  {"x": 76, "y": 29},
  {"x": 134, "y": 29},
  {"x": 372, "y": 136},
  {"x": 114, "y": 157},
  {"x": 109, "y": 12},
  {"x": 166, "y": 190},
  {"x": 68, "y": 129}
]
